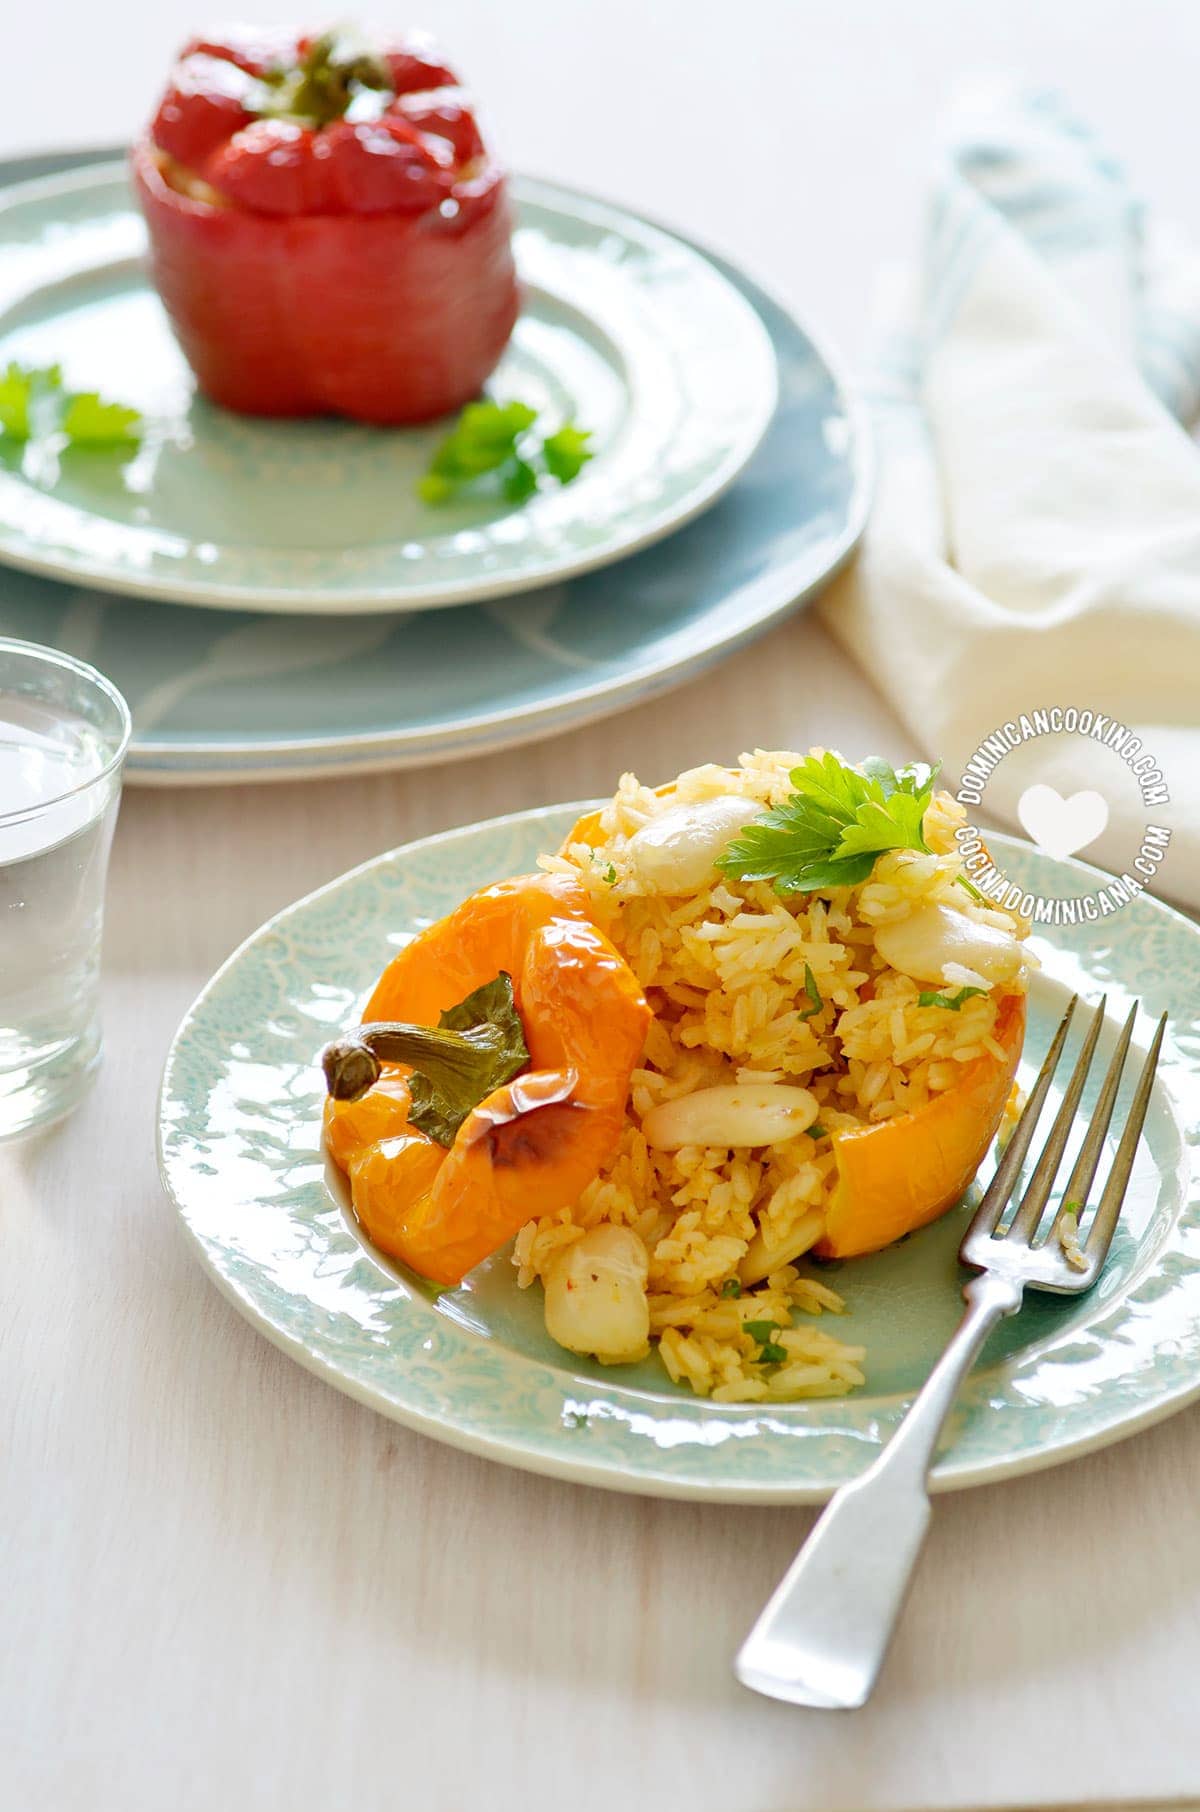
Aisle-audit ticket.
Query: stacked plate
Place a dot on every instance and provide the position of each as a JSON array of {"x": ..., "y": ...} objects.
[{"x": 274, "y": 600}]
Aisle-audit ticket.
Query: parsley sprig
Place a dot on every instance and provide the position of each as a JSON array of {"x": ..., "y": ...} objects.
[
  {"x": 498, "y": 442},
  {"x": 834, "y": 824},
  {"x": 35, "y": 405}
]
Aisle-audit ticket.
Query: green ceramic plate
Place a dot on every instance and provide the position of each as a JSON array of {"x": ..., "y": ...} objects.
[
  {"x": 241, "y": 1158},
  {"x": 624, "y": 329},
  {"x": 251, "y": 695}
]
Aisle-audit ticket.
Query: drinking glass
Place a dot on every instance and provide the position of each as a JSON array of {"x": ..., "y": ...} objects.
[{"x": 63, "y": 734}]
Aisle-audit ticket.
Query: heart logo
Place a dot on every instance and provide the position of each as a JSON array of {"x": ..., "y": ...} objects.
[{"x": 1061, "y": 826}]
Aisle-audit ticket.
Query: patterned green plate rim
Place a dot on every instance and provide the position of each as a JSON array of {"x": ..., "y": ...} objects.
[
  {"x": 240, "y": 1157},
  {"x": 624, "y": 327}
]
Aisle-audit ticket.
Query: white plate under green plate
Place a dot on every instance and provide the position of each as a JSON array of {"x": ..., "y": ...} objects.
[
  {"x": 240, "y": 1155},
  {"x": 624, "y": 329},
  {"x": 251, "y": 696}
]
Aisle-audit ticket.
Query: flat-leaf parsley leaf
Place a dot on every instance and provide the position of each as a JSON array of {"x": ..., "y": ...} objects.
[
  {"x": 566, "y": 453},
  {"x": 829, "y": 830},
  {"x": 34, "y": 404},
  {"x": 88, "y": 420},
  {"x": 19, "y": 384},
  {"x": 498, "y": 441}
]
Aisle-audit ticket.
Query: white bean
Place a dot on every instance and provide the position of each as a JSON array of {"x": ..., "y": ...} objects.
[
  {"x": 921, "y": 945},
  {"x": 731, "y": 1115},
  {"x": 596, "y": 1296},
  {"x": 676, "y": 851}
]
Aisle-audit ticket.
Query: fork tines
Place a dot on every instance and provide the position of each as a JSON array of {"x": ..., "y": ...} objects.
[{"x": 982, "y": 1235}]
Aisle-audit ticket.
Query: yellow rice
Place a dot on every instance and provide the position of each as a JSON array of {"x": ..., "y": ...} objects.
[{"x": 724, "y": 970}]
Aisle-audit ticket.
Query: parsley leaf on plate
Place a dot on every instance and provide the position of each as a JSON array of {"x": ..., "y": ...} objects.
[
  {"x": 35, "y": 404},
  {"x": 89, "y": 421},
  {"x": 566, "y": 453},
  {"x": 483, "y": 439},
  {"x": 834, "y": 823},
  {"x": 499, "y": 441},
  {"x": 520, "y": 481},
  {"x": 18, "y": 385}
]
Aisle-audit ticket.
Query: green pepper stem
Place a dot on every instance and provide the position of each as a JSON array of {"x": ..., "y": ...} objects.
[
  {"x": 336, "y": 68},
  {"x": 352, "y": 1064}
]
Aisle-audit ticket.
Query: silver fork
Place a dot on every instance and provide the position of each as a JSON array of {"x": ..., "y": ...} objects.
[{"x": 822, "y": 1637}]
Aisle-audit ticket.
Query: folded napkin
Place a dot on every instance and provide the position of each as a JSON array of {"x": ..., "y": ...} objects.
[{"x": 1035, "y": 536}]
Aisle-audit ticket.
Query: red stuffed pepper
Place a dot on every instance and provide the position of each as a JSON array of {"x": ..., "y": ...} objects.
[{"x": 327, "y": 230}]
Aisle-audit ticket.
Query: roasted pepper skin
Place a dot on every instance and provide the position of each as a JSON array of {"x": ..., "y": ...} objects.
[
  {"x": 904, "y": 1173},
  {"x": 531, "y": 1146},
  {"x": 360, "y": 268}
]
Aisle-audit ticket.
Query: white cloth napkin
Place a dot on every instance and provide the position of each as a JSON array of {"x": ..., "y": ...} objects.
[{"x": 1035, "y": 536}]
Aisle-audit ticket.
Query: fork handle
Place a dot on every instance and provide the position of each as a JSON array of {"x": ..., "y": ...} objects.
[{"x": 823, "y": 1635}]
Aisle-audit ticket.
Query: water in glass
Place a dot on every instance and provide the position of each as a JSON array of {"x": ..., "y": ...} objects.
[{"x": 59, "y": 791}]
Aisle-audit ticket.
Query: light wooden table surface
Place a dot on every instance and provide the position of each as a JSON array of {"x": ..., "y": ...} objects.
[{"x": 224, "y": 1585}]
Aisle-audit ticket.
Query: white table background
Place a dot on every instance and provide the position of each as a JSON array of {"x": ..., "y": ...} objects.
[{"x": 227, "y": 1587}]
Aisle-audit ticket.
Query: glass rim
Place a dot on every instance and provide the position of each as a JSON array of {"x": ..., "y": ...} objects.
[{"x": 54, "y": 657}]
